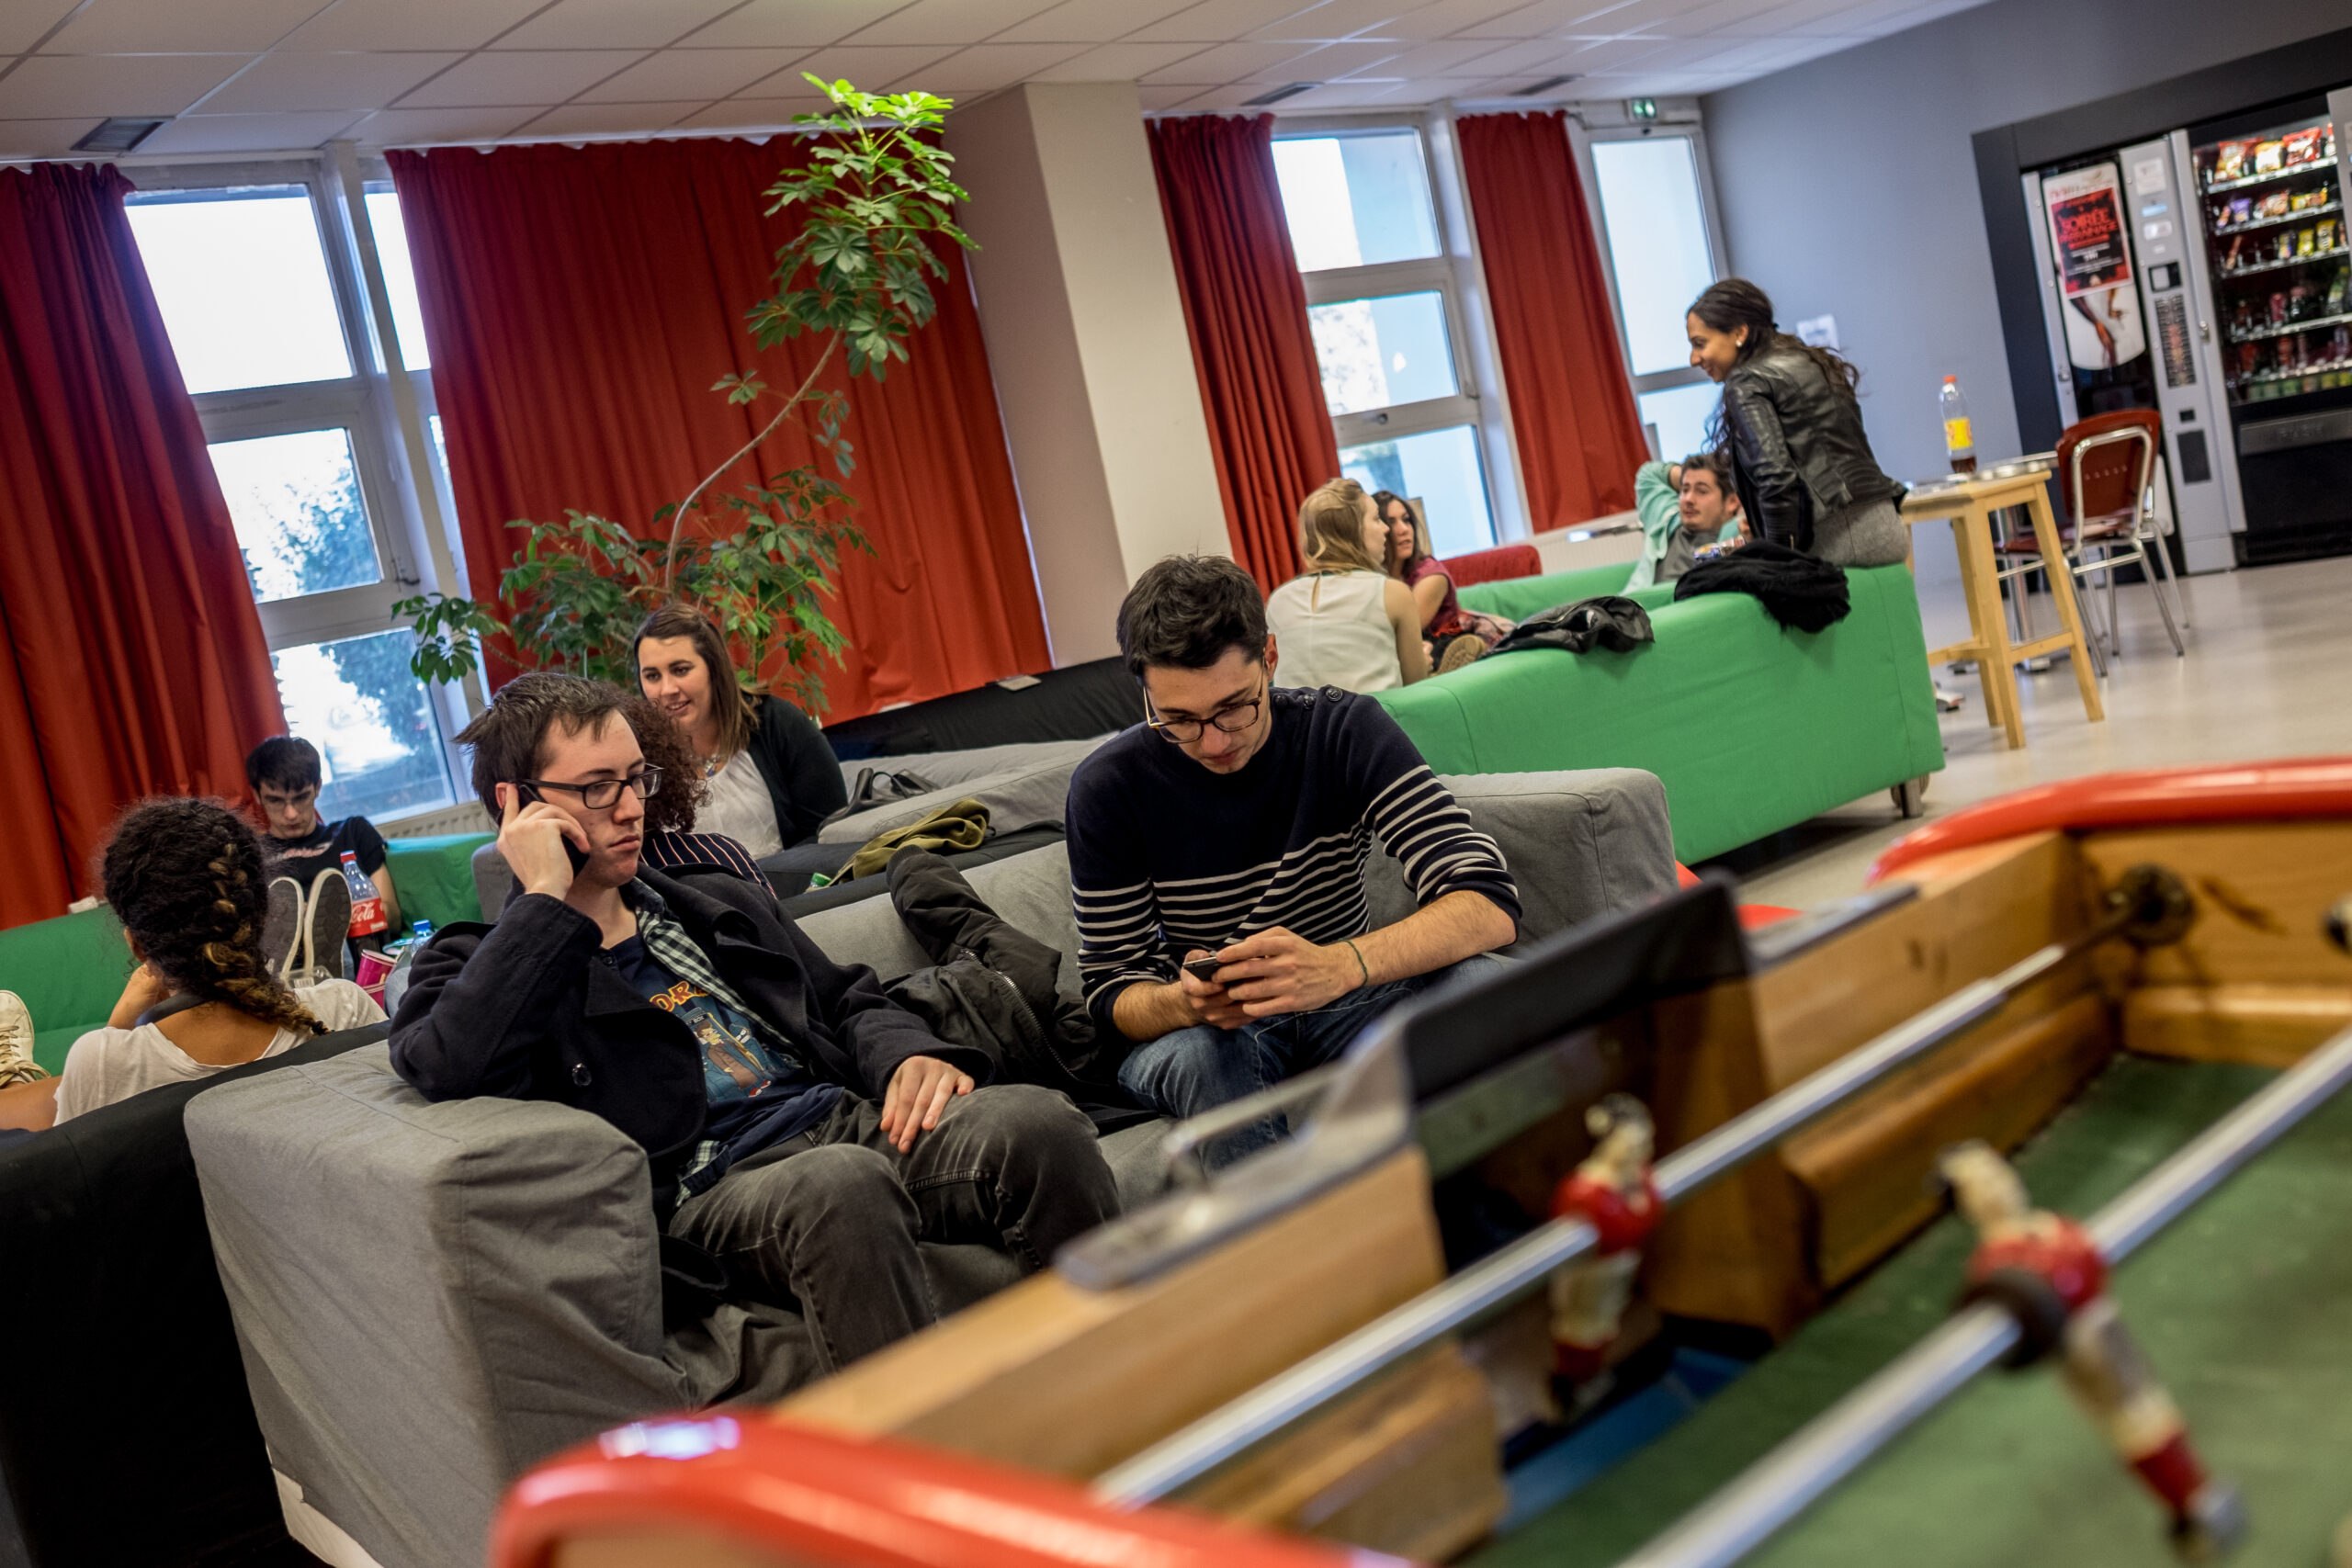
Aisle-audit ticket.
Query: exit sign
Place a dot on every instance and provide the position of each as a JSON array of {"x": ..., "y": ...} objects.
[{"x": 1641, "y": 108}]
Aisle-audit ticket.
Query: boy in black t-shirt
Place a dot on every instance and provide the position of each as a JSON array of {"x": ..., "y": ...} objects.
[{"x": 284, "y": 775}]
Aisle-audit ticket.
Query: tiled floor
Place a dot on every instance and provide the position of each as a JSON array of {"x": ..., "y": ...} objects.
[{"x": 2268, "y": 673}]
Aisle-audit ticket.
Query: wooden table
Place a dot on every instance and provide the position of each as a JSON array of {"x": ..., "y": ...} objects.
[{"x": 1969, "y": 508}]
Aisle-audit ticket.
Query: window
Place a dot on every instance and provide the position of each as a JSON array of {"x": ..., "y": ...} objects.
[
  {"x": 251, "y": 276},
  {"x": 1661, "y": 257},
  {"x": 1386, "y": 314},
  {"x": 399, "y": 277}
]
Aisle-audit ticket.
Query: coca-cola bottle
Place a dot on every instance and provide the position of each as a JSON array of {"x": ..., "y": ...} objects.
[{"x": 367, "y": 921}]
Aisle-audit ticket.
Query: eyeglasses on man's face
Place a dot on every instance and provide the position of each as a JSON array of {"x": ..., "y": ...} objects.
[
  {"x": 597, "y": 795},
  {"x": 1230, "y": 719}
]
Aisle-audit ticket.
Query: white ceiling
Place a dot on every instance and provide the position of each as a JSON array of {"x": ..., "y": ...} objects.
[{"x": 275, "y": 75}]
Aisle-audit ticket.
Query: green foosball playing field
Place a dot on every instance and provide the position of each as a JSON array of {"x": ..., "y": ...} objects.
[{"x": 2245, "y": 1307}]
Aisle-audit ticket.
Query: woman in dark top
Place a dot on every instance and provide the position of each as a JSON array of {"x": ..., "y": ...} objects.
[
  {"x": 769, "y": 774},
  {"x": 1803, "y": 468},
  {"x": 1443, "y": 620}
]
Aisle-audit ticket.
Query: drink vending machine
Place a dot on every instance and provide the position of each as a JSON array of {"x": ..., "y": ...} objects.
[{"x": 2204, "y": 274}]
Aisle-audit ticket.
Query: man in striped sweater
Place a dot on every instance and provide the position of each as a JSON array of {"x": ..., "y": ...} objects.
[{"x": 1233, "y": 825}]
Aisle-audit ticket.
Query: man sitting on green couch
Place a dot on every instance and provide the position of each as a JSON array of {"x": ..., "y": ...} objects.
[
  {"x": 1684, "y": 508},
  {"x": 285, "y": 774}
]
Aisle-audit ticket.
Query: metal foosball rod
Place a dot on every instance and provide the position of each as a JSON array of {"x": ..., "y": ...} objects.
[
  {"x": 2148, "y": 904},
  {"x": 1777, "y": 1488}
]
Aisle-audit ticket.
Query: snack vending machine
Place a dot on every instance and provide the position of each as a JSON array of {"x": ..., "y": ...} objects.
[
  {"x": 2270, "y": 207},
  {"x": 2204, "y": 274}
]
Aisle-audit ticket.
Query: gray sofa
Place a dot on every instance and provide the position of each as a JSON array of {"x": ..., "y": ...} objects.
[{"x": 429, "y": 1298}]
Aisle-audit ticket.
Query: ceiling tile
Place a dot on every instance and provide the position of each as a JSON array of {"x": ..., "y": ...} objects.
[
  {"x": 611, "y": 119},
  {"x": 613, "y": 24},
  {"x": 1442, "y": 58},
  {"x": 49, "y": 86},
  {"x": 752, "y": 114},
  {"x": 985, "y": 67},
  {"x": 1092, "y": 21},
  {"x": 519, "y": 76},
  {"x": 1160, "y": 100},
  {"x": 1222, "y": 100},
  {"x": 249, "y": 133},
  {"x": 1349, "y": 95},
  {"x": 22, "y": 23},
  {"x": 144, "y": 27},
  {"x": 1536, "y": 58},
  {"x": 1220, "y": 21},
  {"x": 411, "y": 24},
  {"x": 776, "y": 24},
  {"x": 286, "y": 82},
  {"x": 1118, "y": 62},
  {"x": 875, "y": 68},
  {"x": 1452, "y": 18},
  {"x": 952, "y": 21},
  {"x": 1226, "y": 62},
  {"x": 1610, "y": 54},
  {"x": 1339, "y": 18},
  {"x": 1343, "y": 59},
  {"x": 41, "y": 137},
  {"x": 409, "y": 128},
  {"x": 680, "y": 75}
]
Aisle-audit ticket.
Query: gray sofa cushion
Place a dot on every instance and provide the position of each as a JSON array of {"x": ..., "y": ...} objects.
[
  {"x": 979, "y": 761},
  {"x": 1029, "y": 791}
]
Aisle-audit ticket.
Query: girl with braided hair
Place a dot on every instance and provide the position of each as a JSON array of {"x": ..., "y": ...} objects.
[{"x": 186, "y": 879}]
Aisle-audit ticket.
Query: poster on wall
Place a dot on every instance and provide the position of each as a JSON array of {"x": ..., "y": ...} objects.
[{"x": 2093, "y": 255}]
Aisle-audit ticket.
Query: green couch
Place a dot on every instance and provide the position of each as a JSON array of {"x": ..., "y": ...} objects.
[
  {"x": 70, "y": 970},
  {"x": 1751, "y": 727}
]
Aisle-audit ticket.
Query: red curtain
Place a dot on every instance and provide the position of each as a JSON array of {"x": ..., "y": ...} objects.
[
  {"x": 1578, "y": 434},
  {"x": 133, "y": 662},
  {"x": 579, "y": 303},
  {"x": 1247, "y": 309}
]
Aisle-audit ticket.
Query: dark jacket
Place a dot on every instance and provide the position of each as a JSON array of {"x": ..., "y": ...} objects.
[
  {"x": 527, "y": 1010},
  {"x": 1797, "y": 589},
  {"x": 994, "y": 987},
  {"x": 1610, "y": 621},
  {"x": 797, "y": 764},
  {"x": 1797, "y": 449}
]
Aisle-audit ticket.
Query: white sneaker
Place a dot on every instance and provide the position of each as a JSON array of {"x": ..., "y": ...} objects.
[
  {"x": 1949, "y": 701},
  {"x": 16, "y": 1063}
]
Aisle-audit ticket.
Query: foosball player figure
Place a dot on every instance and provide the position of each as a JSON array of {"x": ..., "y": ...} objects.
[
  {"x": 1612, "y": 1193},
  {"x": 2045, "y": 1271}
]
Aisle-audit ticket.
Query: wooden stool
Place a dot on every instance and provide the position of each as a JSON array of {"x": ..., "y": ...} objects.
[{"x": 1969, "y": 508}]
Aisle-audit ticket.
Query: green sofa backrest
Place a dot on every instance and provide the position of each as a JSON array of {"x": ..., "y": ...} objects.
[{"x": 1752, "y": 728}]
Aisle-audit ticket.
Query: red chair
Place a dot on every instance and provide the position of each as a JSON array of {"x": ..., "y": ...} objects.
[
  {"x": 1751, "y": 916},
  {"x": 2106, "y": 474}
]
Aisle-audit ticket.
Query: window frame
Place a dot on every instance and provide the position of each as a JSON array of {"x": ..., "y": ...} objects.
[
  {"x": 381, "y": 406},
  {"x": 1583, "y": 138},
  {"x": 1455, "y": 275}
]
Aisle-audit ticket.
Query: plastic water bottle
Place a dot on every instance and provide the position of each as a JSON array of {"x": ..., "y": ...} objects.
[
  {"x": 367, "y": 921},
  {"x": 1960, "y": 437},
  {"x": 404, "y": 956}
]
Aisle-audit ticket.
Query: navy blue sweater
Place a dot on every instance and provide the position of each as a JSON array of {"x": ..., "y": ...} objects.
[{"x": 1166, "y": 856}]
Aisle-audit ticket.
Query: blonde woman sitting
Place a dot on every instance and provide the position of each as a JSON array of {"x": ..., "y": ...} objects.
[{"x": 1347, "y": 623}]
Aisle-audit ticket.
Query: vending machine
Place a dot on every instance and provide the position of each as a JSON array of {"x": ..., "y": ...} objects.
[{"x": 2204, "y": 274}]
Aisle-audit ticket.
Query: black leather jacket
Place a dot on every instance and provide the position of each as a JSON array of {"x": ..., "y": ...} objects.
[{"x": 1797, "y": 449}]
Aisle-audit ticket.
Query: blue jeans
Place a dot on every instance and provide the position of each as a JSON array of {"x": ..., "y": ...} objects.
[{"x": 1197, "y": 1069}]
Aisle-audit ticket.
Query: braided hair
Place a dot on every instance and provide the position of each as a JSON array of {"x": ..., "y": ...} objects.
[{"x": 184, "y": 878}]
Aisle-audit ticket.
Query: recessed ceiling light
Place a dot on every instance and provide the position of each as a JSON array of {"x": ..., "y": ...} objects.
[
  {"x": 1276, "y": 95},
  {"x": 118, "y": 135}
]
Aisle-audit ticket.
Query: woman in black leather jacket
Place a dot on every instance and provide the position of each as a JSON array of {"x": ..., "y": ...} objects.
[{"x": 1803, "y": 468}]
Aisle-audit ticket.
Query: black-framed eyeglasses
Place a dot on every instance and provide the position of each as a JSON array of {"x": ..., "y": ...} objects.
[
  {"x": 598, "y": 794},
  {"x": 1230, "y": 719}
]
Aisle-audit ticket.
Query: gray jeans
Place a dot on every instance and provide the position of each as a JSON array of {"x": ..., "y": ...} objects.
[
  {"x": 1872, "y": 534},
  {"x": 829, "y": 1218}
]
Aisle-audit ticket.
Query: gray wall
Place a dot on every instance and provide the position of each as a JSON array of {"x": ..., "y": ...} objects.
[{"x": 1848, "y": 187}]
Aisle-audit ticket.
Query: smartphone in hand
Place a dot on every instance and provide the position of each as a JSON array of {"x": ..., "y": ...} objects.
[{"x": 1202, "y": 969}]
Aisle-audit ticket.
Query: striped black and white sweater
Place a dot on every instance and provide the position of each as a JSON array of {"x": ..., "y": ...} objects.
[{"x": 1166, "y": 856}]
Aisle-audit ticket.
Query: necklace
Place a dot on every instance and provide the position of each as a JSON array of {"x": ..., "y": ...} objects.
[{"x": 710, "y": 766}]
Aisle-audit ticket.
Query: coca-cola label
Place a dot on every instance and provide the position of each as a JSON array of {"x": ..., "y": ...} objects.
[{"x": 367, "y": 917}]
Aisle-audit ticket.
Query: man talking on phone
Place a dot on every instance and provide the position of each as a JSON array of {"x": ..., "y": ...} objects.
[
  {"x": 1217, "y": 853},
  {"x": 799, "y": 1127}
]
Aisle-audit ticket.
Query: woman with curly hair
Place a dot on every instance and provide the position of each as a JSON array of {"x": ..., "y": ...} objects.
[
  {"x": 186, "y": 879},
  {"x": 671, "y": 841}
]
